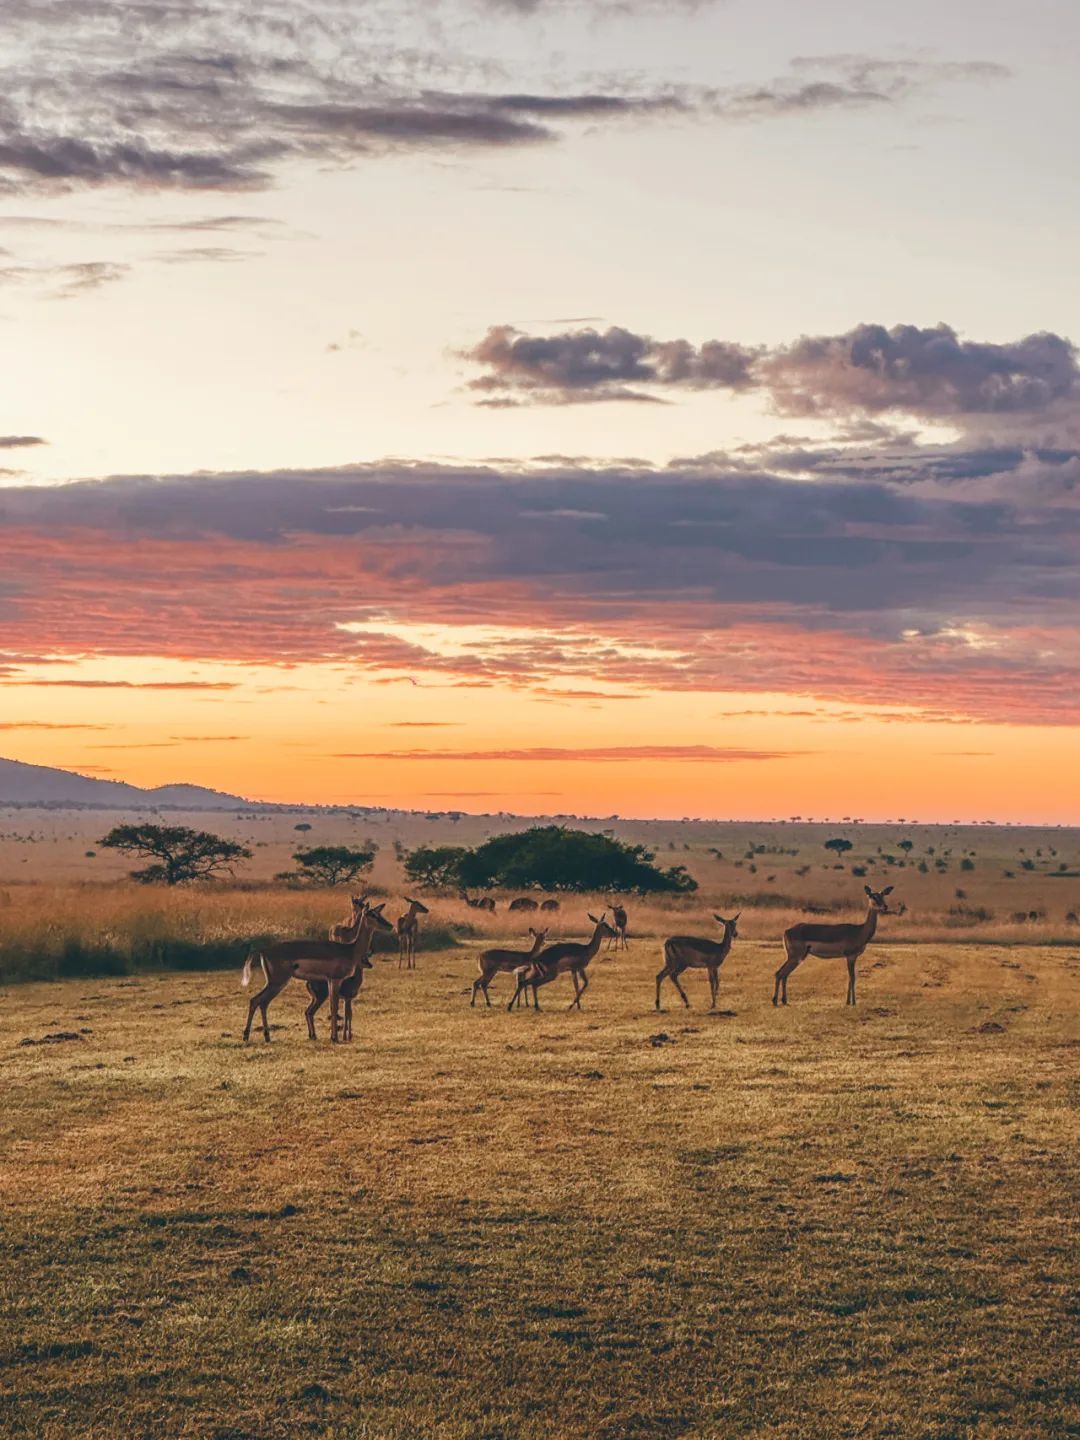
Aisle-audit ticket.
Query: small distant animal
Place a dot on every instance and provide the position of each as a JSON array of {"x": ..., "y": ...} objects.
[
  {"x": 619, "y": 922},
  {"x": 500, "y": 962},
  {"x": 831, "y": 942},
  {"x": 408, "y": 928},
  {"x": 690, "y": 952},
  {"x": 523, "y": 903},
  {"x": 485, "y": 902},
  {"x": 550, "y": 905}
]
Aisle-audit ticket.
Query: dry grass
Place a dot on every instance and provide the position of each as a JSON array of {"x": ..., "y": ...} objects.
[{"x": 478, "y": 1226}]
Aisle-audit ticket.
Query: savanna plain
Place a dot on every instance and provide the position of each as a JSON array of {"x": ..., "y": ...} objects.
[{"x": 613, "y": 1222}]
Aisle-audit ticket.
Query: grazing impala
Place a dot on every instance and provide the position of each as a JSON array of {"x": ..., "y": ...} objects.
[
  {"x": 500, "y": 962},
  {"x": 687, "y": 952},
  {"x": 408, "y": 927},
  {"x": 831, "y": 942},
  {"x": 328, "y": 960},
  {"x": 350, "y": 988},
  {"x": 485, "y": 902},
  {"x": 523, "y": 902},
  {"x": 557, "y": 959}
]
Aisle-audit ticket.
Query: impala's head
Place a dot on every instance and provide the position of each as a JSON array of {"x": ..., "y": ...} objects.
[
  {"x": 539, "y": 936},
  {"x": 418, "y": 907},
  {"x": 878, "y": 900},
  {"x": 359, "y": 904},
  {"x": 602, "y": 926},
  {"x": 377, "y": 918},
  {"x": 731, "y": 927}
]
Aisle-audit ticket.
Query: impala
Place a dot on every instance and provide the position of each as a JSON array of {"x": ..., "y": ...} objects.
[
  {"x": 343, "y": 932},
  {"x": 350, "y": 988},
  {"x": 523, "y": 903},
  {"x": 688, "y": 952},
  {"x": 408, "y": 927},
  {"x": 831, "y": 942},
  {"x": 557, "y": 959},
  {"x": 499, "y": 962},
  {"x": 484, "y": 903},
  {"x": 330, "y": 961},
  {"x": 619, "y": 920}
]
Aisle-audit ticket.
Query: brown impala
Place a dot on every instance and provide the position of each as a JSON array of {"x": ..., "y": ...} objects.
[
  {"x": 557, "y": 959},
  {"x": 330, "y": 961},
  {"x": 831, "y": 942},
  {"x": 686, "y": 952},
  {"x": 501, "y": 962},
  {"x": 350, "y": 988}
]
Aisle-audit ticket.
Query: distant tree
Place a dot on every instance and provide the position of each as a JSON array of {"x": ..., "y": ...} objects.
[
  {"x": 303, "y": 826},
  {"x": 839, "y": 845},
  {"x": 435, "y": 867},
  {"x": 332, "y": 864},
  {"x": 906, "y": 845},
  {"x": 179, "y": 854},
  {"x": 967, "y": 864},
  {"x": 551, "y": 857}
]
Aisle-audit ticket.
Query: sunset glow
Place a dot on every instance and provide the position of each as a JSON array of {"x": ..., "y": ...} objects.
[{"x": 479, "y": 406}]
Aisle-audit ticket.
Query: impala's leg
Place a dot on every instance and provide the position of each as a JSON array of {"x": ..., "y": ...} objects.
[
  {"x": 795, "y": 957},
  {"x": 348, "y": 1017},
  {"x": 335, "y": 997},
  {"x": 262, "y": 1000},
  {"x": 318, "y": 999},
  {"x": 682, "y": 992},
  {"x": 517, "y": 993},
  {"x": 851, "y": 979},
  {"x": 663, "y": 975},
  {"x": 581, "y": 984},
  {"x": 714, "y": 985}
]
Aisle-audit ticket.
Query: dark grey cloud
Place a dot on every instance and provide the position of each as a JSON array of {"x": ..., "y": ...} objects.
[
  {"x": 955, "y": 591},
  {"x": 931, "y": 374},
  {"x": 613, "y": 364},
  {"x": 221, "y": 95}
]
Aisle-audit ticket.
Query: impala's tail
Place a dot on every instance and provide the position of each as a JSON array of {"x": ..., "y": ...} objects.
[{"x": 245, "y": 979}]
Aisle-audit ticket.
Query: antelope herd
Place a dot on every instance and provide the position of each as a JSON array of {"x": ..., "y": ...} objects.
[{"x": 333, "y": 969}]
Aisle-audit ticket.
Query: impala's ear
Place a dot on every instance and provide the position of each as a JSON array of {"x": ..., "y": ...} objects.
[
  {"x": 378, "y": 909},
  {"x": 593, "y": 918},
  {"x": 719, "y": 918},
  {"x": 888, "y": 890},
  {"x": 867, "y": 889},
  {"x": 738, "y": 913}
]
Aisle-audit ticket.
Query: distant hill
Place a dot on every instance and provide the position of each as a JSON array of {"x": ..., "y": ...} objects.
[{"x": 41, "y": 785}]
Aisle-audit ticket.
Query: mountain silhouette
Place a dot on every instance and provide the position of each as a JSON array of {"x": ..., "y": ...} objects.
[{"x": 22, "y": 784}]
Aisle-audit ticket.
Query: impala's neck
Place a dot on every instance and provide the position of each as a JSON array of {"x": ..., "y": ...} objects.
[
  {"x": 594, "y": 944},
  {"x": 538, "y": 945},
  {"x": 870, "y": 923}
]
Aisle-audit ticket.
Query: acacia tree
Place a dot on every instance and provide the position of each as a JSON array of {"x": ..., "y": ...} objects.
[
  {"x": 179, "y": 854},
  {"x": 332, "y": 864},
  {"x": 839, "y": 845},
  {"x": 551, "y": 857},
  {"x": 435, "y": 866}
]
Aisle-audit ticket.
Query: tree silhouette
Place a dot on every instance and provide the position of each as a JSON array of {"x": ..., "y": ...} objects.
[
  {"x": 179, "y": 854},
  {"x": 332, "y": 864}
]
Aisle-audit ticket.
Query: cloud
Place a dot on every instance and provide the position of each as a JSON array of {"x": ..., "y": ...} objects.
[
  {"x": 123, "y": 684},
  {"x": 20, "y": 442},
  {"x": 949, "y": 587},
  {"x": 846, "y": 82},
  {"x": 711, "y": 754},
  {"x": 50, "y": 725},
  {"x": 221, "y": 97},
  {"x": 584, "y": 365},
  {"x": 931, "y": 374}
]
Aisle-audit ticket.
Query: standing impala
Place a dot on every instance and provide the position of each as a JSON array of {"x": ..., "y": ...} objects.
[
  {"x": 330, "y": 961},
  {"x": 687, "y": 952},
  {"x": 408, "y": 927},
  {"x": 350, "y": 988},
  {"x": 498, "y": 962},
  {"x": 831, "y": 942},
  {"x": 557, "y": 960}
]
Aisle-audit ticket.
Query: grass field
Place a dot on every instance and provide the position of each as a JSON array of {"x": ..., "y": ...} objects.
[{"x": 816, "y": 1222}]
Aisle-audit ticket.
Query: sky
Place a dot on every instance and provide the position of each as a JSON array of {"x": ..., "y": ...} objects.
[{"x": 550, "y": 406}]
